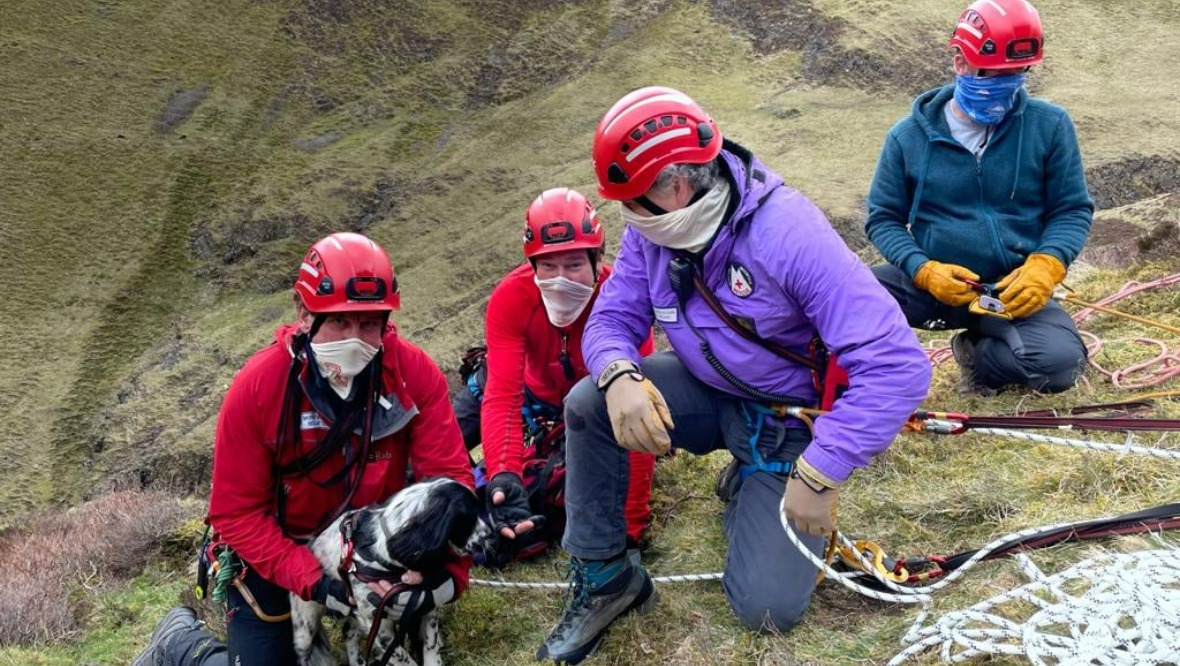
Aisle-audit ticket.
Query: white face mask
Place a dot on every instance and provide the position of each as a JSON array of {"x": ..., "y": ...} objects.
[
  {"x": 339, "y": 362},
  {"x": 689, "y": 228},
  {"x": 564, "y": 299}
]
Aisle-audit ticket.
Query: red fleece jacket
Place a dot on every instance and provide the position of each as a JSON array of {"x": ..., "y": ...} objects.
[{"x": 242, "y": 502}]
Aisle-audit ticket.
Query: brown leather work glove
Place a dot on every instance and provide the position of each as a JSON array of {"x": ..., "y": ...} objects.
[
  {"x": 811, "y": 500},
  {"x": 1028, "y": 288},
  {"x": 638, "y": 414},
  {"x": 945, "y": 282}
]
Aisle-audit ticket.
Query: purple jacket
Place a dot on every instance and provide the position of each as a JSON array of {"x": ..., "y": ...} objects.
[{"x": 777, "y": 263}]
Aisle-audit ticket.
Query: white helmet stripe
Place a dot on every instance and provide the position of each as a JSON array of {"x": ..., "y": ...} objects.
[
  {"x": 971, "y": 29},
  {"x": 336, "y": 243},
  {"x": 310, "y": 269},
  {"x": 665, "y": 97},
  {"x": 657, "y": 140}
]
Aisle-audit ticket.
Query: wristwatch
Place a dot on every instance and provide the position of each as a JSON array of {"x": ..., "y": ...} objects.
[{"x": 615, "y": 370}]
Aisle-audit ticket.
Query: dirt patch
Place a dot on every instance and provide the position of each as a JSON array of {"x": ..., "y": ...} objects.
[
  {"x": 1132, "y": 179},
  {"x": 1111, "y": 243},
  {"x": 1117, "y": 242},
  {"x": 541, "y": 54},
  {"x": 796, "y": 25},
  {"x": 180, "y": 107},
  {"x": 1162, "y": 243},
  {"x": 367, "y": 31},
  {"x": 260, "y": 252}
]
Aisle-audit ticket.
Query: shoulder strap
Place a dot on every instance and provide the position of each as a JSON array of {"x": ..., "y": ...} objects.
[{"x": 744, "y": 331}]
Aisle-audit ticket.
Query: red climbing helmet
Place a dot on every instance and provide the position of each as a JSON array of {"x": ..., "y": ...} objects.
[
  {"x": 561, "y": 219},
  {"x": 644, "y": 132},
  {"x": 1000, "y": 34},
  {"x": 347, "y": 272}
]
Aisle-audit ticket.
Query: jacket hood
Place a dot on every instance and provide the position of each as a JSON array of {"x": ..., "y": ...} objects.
[{"x": 749, "y": 180}]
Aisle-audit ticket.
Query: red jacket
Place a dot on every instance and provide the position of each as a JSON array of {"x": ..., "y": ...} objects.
[
  {"x": 414, "y": 424},
  {"x": 524, "y": 349}
]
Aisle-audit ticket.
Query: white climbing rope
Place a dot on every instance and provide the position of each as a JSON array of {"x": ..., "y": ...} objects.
[
  {"x": 682, "y": 578},
  {"x": 1126, "y": 447},
  {"x": 1120, "y": 609}
]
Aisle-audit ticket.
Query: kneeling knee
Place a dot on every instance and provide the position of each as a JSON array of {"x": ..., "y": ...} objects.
[
  {"x": 772, "y": 617},
  {"x": 583, "y": 401},
  {"x": 1063, "y": 377}
]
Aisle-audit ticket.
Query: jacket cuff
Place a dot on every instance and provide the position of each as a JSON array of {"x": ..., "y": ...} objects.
[
  {"x": 826, "y": 464},
  {"x": 913, "y": 263},
  {"x": 1056, "y": 254}
]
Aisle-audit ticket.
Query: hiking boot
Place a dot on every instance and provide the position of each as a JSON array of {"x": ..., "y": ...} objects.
[
  {"x": 599, "y": 592},
  {"x": 728, "y": 480},
  {"x": 177, "y": 622},
  {"x": 963, "y": 347}
]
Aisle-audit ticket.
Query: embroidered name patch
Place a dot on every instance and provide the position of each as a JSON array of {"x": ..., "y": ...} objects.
[
  {"x": 741, "y": 283},
  {"x": 667, "y": 315},
  {"x": 312, "y": 421}
]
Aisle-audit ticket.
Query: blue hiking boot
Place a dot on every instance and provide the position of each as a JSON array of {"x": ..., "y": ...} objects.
[
  {"x": 599, "y": 592},
  {"x": 178, "y": 621}
]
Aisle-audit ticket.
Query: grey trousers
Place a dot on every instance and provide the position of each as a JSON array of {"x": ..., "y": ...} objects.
[
  {"x": 767, "y": 581},
  {"x": 1042, "y": 351}
]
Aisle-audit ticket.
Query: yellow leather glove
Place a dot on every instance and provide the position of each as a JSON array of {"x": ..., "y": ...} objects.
[
  {"x": 811, "y": 500},
  {"x": 945, "y": 282},
  {"x": 638, "y": 414},
  {"x": 1027, "y": 289}
]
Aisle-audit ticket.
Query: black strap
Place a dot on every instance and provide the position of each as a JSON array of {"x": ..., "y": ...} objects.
[
  {"x": 291, "y": 418},
  {"x": 404, "y": 624},
  {"x": 327, "y": 446},
  {"x": 773, "y": 347}
]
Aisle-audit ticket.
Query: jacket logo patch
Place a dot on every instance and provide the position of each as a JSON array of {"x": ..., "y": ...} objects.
[
  {"x": 741, "y": 283},
  {"x": 312, "y": 421}
]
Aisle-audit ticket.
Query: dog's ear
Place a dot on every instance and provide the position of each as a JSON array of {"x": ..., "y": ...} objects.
[{"x": 449, "y": 516}]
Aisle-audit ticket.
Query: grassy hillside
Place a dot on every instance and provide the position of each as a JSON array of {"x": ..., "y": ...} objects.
[{"x": 167, "y": 163}]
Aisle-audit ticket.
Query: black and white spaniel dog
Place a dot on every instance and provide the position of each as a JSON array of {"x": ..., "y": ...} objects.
[{"x": 393, "y": 550}]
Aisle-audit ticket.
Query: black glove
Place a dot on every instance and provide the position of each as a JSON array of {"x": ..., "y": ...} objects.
[
  {"x": 333, "y": 595},
  {"x": 515, "y": 507}
]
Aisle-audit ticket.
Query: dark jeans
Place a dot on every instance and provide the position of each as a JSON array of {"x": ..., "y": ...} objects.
[
  {"x": 1042, "y": 351},
  {"x": 767, "y": 581},
  {"x": 252, "y": 641}
]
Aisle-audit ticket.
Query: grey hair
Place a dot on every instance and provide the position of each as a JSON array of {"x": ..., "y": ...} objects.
[{"x": 700, "y": 176}]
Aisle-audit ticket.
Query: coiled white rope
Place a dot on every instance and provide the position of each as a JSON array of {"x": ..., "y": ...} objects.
[{"x": 1119, "y": 609}]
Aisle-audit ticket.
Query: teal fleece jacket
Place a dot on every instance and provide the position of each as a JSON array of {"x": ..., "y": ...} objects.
[{"x": 932, "y": 199}]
